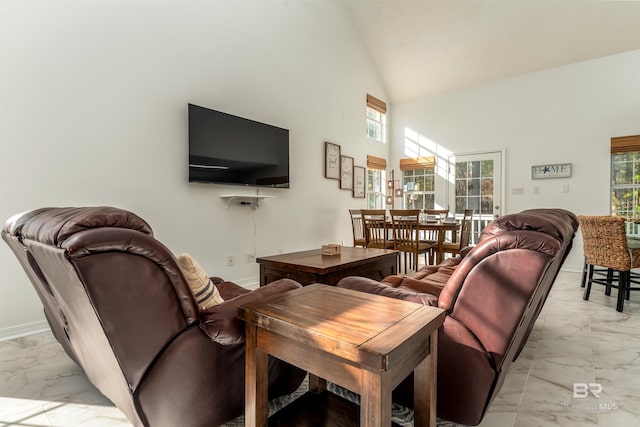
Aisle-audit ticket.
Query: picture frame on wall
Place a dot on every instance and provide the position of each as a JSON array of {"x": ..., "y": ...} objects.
[
  {"x": 359, "y": 179},
  {"x": 550, "y": 171},
  {"x": 346, "y": 173},
  {"x": 331, "y": 160}
]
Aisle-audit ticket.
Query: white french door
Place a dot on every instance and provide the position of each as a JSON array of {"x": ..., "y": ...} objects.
[{"x": 475, "y": 182}]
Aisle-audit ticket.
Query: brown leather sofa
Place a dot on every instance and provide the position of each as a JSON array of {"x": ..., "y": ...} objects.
[
  {"x": 492, "y": 295},
  {"x": 120, "y": 306}
]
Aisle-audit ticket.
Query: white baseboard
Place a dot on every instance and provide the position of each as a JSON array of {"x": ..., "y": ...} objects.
[{"x": 18, "y": 331}]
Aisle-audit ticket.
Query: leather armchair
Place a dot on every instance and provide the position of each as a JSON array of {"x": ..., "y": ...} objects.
[
  {"x": 492, "y": 298},
  {"x": 120, "y": 306}
]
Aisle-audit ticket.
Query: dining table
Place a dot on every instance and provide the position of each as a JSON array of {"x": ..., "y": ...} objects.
[{"x": 441, "y": 227}]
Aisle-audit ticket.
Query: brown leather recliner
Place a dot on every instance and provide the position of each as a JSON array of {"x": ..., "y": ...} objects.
[
  {"x": 492, "y": 298},
  {"x": 120, "y": 306}
]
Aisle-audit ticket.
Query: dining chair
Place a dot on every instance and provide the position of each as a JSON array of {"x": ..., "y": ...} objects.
[
  {"x": 436, "y": 212},
  {"x": 376, "y": 228},
  {"x": 406, "y": 224},
  {"x": 357, "y": 226},
  {"x": 462, "y": 241},
  {"x": 605, "y": 245},
  {"x": 431, "y": 236}
]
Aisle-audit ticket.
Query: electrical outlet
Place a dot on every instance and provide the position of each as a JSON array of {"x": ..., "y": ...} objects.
[
  {"x": 230, "y": 261},
  {"x": 251, "y": 257}
]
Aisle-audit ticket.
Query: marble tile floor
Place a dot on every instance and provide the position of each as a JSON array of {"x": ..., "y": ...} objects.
[{"x": 573, "y": 342}]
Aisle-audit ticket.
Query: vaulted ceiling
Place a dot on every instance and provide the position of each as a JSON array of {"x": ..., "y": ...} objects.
[{"x": 425, "y": 47}]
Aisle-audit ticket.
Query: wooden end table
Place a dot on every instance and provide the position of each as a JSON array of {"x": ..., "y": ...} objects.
[
  {"x": 363, "y": 342},
  {"x": 308, "y": 267}
]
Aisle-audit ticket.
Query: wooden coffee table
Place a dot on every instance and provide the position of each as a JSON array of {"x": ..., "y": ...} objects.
[
  {"x": 308, "y": 267},
  {"x": 363, "y": 342}
]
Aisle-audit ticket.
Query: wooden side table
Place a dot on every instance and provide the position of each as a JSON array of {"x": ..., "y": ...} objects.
[{"x": 365, "y": 343}]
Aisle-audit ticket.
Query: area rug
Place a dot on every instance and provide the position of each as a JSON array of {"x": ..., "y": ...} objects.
[{"x": 399, "y": 414}]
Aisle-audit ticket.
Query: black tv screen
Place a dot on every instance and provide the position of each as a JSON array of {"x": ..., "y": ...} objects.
[{"x": 228, "y": 149}]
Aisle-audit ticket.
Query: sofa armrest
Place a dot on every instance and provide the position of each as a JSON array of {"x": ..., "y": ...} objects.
[
  {"x": 221, "y": 323},
  {"x": 371, "y": 286}
]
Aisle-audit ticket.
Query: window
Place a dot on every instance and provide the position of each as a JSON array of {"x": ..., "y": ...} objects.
[
  {"x": 376, "y": 125},
  {"x": 419, "y": 188},
  {"x": 376, "y": 182},
  {"x": 625, "y": 179},
  {"x": 376, "y": 119},
  {"x": 625, "y": 184},
  {"x": 419, "y": 182},
  {"x": 375, "y": 189}
]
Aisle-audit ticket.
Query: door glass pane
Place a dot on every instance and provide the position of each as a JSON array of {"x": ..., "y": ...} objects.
[
  {"x": 461, "y": 170},
  {"x": 487, "y": 168},
  {"x": 487, "y": 205},
  {"x": 461, "y": 187}
]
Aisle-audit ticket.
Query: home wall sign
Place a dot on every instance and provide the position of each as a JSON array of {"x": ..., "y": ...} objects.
[{"x": 555, "y": 170}]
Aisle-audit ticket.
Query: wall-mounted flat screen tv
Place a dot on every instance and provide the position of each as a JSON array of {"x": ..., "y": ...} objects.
[{"x": 228, "y": 149}]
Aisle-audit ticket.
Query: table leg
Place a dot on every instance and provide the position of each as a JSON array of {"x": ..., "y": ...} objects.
[
  {"x": 440, "y": 254},
  {"x": 263, "y": 277},
  {"x": 316, "y": 384},
  {"x": 425, "y": 386},
  {"x": 256, "y": 381},
  {"x": 375, "y": 400}
]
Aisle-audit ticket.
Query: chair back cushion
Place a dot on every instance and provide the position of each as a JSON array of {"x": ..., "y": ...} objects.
[
  {"x": 604, "y": 240},
  {"x": 52, "y": 226}
]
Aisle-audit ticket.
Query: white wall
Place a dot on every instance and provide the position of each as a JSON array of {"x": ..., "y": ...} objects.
[
  {"x": 93, "y": 111},
  {"x": 559, "y": 115}
]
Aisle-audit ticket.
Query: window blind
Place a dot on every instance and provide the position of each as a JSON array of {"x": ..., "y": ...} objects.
[
  {"x": 418, "y": 163},
  {"x": 624, "y": 144},
  {"x": 376, "y": 104},
  {"x": 374, "y": 162}
]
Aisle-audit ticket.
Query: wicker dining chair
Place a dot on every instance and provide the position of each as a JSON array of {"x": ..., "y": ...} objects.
[
  {"x": 357, "y": 225},
  {"x": 605, "y": 245}
]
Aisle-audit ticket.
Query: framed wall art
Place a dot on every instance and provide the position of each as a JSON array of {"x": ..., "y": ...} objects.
[
  {"x": 558, "y": 170},
  {"x": 331, "y": 160},
  {"x": 346, "y": 173},
  {"x": 359, "y": 178}
]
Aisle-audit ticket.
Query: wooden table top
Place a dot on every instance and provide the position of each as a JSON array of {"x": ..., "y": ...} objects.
[
  {"x": 367, "y": 329},
  {"x": 439, "y": 225},
  {"x": 315, "y": 260}
]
